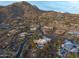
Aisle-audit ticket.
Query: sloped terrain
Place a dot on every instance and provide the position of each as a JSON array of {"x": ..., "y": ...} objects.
[{"x": 26, "y": 31}]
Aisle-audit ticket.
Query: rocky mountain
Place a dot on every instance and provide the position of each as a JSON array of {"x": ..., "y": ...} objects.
[
  {"x": 20, "y": 18},
  {"x": 24, "y": 12}
]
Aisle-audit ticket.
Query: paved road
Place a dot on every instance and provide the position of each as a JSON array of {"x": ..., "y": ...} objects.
[{"x": 21, "y": 47}]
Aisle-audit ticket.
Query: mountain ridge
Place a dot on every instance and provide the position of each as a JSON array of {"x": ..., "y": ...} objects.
[{"x": 22, "y": 19}]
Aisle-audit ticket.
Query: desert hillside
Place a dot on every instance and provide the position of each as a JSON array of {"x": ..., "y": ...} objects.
[{"x": 26, "y": 31}]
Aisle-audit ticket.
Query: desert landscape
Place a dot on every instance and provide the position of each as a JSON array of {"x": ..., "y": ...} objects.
[{"x": 29, "y": 32}]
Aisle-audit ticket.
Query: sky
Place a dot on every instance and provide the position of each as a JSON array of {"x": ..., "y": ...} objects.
[{"x": 59, "y": 6}]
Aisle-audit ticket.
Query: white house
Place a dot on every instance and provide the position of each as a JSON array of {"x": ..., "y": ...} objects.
[{"x": 42, "y": 41}]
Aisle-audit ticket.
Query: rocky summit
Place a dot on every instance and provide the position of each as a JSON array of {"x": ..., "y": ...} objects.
[{"x": 28, "y": 32}]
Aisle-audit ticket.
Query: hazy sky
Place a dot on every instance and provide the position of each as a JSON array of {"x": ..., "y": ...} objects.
[{"x": 60, "y": 6}]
